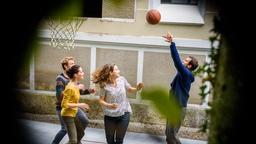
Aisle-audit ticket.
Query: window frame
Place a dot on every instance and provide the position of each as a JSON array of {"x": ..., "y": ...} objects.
[
  {"x": 180, "y": 13},
  {"x": 125, "y": 20},
  {"x": 180, "y": 3}
]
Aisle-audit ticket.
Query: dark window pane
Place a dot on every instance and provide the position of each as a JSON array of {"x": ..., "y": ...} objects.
[{"x": 189, "y": 2}]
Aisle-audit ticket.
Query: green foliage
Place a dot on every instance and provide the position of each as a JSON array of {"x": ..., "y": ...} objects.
[
  {"x": 117, "y": 2},
  {"x": 207, "y": 72},
  {"x": 72, "y": 8},
  {"x": 165, "y": 104}
]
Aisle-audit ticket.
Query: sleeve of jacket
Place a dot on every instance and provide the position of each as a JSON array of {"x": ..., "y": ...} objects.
[
  {"x": 177, "y": 61},
  {"x": 84, "y": 92},
  {"x": 59, "y": 89}
]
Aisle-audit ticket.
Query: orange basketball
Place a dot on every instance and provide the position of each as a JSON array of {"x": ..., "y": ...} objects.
[{"x": 153, "y": 16}]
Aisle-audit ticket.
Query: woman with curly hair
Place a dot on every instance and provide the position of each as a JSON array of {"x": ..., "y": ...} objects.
[{"x": 113, "y": 99}]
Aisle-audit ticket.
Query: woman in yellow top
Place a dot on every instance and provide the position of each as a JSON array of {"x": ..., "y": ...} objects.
[{"x": 70, "y": 104}]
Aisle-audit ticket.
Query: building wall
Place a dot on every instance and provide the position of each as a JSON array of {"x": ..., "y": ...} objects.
[
  {"x": 48, "y": 65},
  {"x": 118, "y": 9},
  {"x": 138, "y": 26},
  {"x": 156, "y": 65},
  {"x": 130, "y": 42}
]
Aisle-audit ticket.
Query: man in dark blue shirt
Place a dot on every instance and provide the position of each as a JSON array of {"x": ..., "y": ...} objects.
[{"x": 180, "y": 87}]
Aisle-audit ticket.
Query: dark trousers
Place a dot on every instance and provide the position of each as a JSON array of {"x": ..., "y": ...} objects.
[
  {"x": 171, "y": 131},
  {"x": 115, "y": 128},
  {"x": 75, "y": 129},
  {"x": 84, "y": 121}
]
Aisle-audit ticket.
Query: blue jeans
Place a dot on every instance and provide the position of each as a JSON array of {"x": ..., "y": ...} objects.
[
  {"x": 115, "y": 128},
  {"x": 62, "y": 132}
]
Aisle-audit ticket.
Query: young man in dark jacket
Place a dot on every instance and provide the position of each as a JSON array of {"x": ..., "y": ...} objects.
[{"x": 180, "y": 87}]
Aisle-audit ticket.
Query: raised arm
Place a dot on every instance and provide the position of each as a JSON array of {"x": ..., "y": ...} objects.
[
  {"x": 176, "y": 59},
  {"x": 175, "y": 55}
]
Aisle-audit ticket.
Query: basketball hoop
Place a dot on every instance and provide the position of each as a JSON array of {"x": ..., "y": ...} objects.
[{"x": 63, "y": 31}]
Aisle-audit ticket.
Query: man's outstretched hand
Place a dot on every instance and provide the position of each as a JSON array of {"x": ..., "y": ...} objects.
[{"x": 168, "y": 38}]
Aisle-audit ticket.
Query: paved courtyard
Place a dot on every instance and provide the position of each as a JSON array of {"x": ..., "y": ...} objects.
[{"x": 43, "y": 133}]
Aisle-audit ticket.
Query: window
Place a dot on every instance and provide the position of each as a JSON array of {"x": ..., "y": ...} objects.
[
  {"x": 189, "y": 12},
  {"x": 188, "y": 2},
  {"x": 118, "y": 9}
]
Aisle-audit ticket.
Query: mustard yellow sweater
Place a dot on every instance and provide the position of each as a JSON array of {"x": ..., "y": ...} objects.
[{"x": 71, "y": 94}]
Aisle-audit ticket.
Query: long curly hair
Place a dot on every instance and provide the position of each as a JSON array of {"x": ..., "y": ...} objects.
[{"x": 102, "y": 75}]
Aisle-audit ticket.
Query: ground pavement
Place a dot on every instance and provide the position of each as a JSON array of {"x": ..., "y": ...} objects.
[{"x": 43, "y": 133}]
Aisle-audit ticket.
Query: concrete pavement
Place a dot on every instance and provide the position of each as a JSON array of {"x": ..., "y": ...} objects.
[{"x": 43, "y": 133}]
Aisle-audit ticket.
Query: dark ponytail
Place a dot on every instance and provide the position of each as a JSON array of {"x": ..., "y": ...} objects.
[{"x": 72, "y": 71}]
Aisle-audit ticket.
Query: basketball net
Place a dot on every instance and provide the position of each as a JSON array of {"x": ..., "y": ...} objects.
[{"x": 63, "y": 31}]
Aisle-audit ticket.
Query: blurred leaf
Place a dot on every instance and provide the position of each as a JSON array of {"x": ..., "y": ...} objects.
[
  {"x": 117, "y": 2},
  {"x": 204, "y": 126},
  {"x": 165, "y": 104},
  {"x": 72, "y": 8}
]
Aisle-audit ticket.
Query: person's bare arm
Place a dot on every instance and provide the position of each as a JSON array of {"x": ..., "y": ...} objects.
[
  {"x": 109, "y": 105},
  {"x": 137, "y": 88}
]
